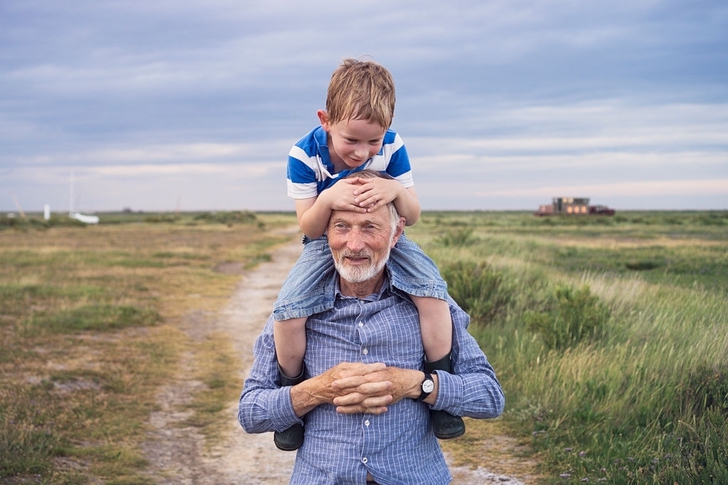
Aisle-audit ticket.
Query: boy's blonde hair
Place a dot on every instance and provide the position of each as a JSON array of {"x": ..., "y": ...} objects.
[{"x": 361, "y": 90}]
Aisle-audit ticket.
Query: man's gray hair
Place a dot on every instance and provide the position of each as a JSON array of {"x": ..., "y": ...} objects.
[{"x": 370, "y": 174}]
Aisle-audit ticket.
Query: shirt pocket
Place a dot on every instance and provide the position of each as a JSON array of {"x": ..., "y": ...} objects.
[{"x": 404, "y": 341}]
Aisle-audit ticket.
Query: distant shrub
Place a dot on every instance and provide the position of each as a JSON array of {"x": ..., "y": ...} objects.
[
  {"x": 643, "y": 265},
  {"x": 576, "y": 315},
  {"x": 29, "y": 222},
  {"x": 713, "y": 219},
  {"x": 478, "y": 289},
  {"x": 459, "y": 238},
  {"x": 161, "y": 218},
  {"x": 234, "y": 217}
]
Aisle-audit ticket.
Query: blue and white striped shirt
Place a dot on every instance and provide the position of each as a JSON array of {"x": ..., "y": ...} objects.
[
  {"x": 397, "y": 447},
  {"x": 310, "y": 170}
]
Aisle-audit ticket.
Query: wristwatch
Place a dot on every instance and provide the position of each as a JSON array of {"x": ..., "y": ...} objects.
[{"x": 428, "y": 385}]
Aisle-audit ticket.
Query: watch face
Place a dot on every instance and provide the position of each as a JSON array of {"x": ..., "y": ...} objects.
[{"x": 428, "y": 386}]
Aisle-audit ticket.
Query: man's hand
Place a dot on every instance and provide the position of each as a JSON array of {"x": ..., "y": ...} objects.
[
  {"x": 373, "y": 392},
  {"x": 321, "y": 389}
]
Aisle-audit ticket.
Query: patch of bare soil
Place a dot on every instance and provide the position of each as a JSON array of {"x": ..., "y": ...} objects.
[{"x": 177, "y": 452}]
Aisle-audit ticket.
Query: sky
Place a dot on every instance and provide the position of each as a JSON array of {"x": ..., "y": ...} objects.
[{"x": 165, "y": 105}]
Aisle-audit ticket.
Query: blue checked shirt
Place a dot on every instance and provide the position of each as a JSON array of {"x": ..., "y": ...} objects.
[{"x": 397, "y": 447}]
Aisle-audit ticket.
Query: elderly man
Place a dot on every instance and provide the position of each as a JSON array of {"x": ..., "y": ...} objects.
[{"x": 365, "y": 401}]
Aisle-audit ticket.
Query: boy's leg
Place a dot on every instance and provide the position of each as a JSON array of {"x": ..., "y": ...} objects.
[
  {"x": 290, "y": 342},
  {"x": 436, "y": 330},
  {"x": 435, "y": 326}
]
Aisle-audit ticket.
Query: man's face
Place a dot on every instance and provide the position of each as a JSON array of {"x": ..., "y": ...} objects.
[{"x": 360, "y": 243}]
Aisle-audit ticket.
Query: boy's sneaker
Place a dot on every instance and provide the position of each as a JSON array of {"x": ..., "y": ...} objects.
[
  {"x": 290, "y": 439},
  {"x": 445, "y": 425}
]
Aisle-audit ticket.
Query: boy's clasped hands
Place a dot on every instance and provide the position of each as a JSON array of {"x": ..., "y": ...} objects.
[{"x": 363, "y": 195}]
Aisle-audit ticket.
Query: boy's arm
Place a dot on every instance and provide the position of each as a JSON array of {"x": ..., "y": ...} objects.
[
  {"x": 408, "y": 206},
  {"x": 314, "y": 213},
  {"x": 377, "y": 192},
  {"x": 312, "y": 218}
]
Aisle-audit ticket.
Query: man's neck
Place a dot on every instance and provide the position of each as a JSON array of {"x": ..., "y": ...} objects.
[{"x": 363, "y": 289}]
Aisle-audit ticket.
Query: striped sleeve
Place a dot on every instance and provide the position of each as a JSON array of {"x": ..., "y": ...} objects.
[{"x": 302, "y": 174}]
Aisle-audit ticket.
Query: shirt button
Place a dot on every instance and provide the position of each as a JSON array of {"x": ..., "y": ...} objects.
[
  {"x": 366, "y": 423},
  {"x": 365, "y": 351},
  {"x": 361, "y": 324},
  {"x": 364, "y": 460}
]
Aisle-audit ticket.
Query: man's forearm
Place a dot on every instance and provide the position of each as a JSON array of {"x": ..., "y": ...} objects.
[{"x": 307, "y": 395}]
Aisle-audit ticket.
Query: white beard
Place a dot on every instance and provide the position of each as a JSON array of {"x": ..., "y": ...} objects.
[{"x": 359, "y": 274}]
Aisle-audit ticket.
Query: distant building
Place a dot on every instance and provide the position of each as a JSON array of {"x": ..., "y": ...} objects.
[{"x": 573, "y": 206}]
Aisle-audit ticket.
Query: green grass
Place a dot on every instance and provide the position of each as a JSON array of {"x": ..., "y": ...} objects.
[{"x": 610, "y": 338}]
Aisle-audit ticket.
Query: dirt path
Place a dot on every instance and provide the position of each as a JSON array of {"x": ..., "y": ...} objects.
[{"x": 176, "y": 452}]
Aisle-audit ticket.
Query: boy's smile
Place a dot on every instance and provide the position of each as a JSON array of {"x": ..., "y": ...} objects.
[{"x": 352, "y": 142}]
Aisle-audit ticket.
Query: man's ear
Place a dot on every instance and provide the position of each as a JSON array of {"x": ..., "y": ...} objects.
[
  {"x": 323, "y": 117},
  {"x": 399, "y": 230}
]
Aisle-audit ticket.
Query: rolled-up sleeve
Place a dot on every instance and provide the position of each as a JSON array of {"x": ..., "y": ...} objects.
[
  {"x": 472, "y": 389},
  {"x": 264, "y": 405}
]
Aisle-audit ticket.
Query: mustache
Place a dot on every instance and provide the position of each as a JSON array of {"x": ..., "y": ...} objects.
[{"x": 356, "y": 254}]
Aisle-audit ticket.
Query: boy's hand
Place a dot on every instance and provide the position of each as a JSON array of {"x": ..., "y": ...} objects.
[
  {"x": 371, "y": 194},
  {"x": 340, "y": 196}
]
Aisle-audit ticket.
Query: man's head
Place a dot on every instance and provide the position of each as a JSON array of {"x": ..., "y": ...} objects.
[{"x": 361, "y": 242}]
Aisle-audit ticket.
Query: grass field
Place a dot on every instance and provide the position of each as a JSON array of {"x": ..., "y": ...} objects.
[
  {"x": 89, "y": 319},
  {"x": 608, "y": 335}
]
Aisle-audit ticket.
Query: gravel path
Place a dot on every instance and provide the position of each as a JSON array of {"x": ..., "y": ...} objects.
[{"x": 176, "y": 452}]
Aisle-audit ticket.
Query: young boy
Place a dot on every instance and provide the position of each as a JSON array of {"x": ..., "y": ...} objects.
[{"x": 355, "y": 135}]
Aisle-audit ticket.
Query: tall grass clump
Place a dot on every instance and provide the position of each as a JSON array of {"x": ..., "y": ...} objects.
[
  {"x": 479, "y": 289},
  {"x": 458, "y": 238},
  {"x": 574, "y": 315}
]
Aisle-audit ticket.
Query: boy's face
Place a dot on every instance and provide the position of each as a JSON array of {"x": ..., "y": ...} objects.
[{"x": 352, "y": 142}]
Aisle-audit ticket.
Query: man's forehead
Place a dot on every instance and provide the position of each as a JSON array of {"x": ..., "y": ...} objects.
[{"x": 378, "y": 216}]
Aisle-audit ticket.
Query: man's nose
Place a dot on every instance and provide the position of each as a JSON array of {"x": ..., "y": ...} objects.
[{"x": 355, "y": 241}]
